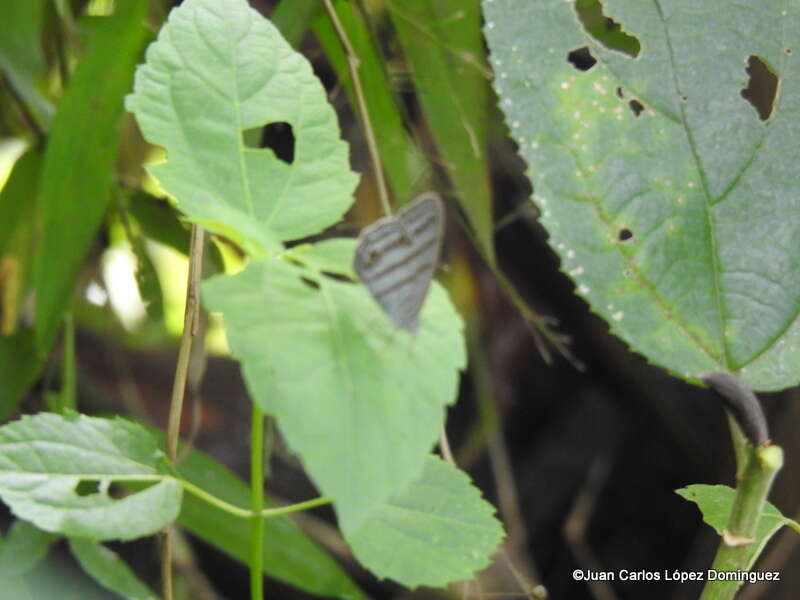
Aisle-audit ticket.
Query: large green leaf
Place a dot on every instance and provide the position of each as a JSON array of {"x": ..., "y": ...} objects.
[
  {"x": 442, "y": 43},
  {"x": 45, "y": 458},
  {"x": 289, "y": 555},
  {"x": 715, "y": 503},
  {"x": 436, "y": 531},
  {"x": 79, "y": 161},
  {"x": 217, "y": 71},
  {"x": 361, "y": 402},
  {"x": 679, "y": 225},
  {"x": 107, "y": 568}
]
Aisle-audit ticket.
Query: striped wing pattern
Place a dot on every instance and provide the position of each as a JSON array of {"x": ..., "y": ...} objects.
[{"x": 397, "y": 256}]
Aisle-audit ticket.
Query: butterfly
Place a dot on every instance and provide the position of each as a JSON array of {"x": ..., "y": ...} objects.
[{"x": 396, "y": 258}]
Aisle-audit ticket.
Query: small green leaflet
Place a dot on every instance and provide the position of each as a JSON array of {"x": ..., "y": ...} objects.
[
  {"x": 55, "y": 471},
  {"x": 436, "y": 531},
  {"x": 715, "y": 503}
]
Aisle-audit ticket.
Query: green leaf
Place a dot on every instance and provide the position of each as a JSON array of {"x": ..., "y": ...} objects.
[
  {"x": 678, "y": 225},
  {"x": 79, "y": 161},
  {"x": 397, "y": 151},
  {"x": 292, "y": 18},
  {"x": 21, "y": 56},
  {"x": 359, "y": 400},
  {"x": 45, "y": 458},
  {"x": 109, "y": 570},
  {"x": 20, "y": 363},
  {"x": 159, "y": 222},
  {"x": 23, "y": 549},
  {"x": 715, "y": 503},
  {"x": 289, "y": 555},
  {"x": 442, "y": 43},
  {"x": 216, "y": 72},
  {"x": 435, "y": 531},
  {"x": 334, "y": 255}
]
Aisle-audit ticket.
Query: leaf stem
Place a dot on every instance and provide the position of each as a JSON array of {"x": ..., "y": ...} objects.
[
  {"x": 245, "y": 513},
  {"x": 68, "y": 376},
  {"x": 190, "y": 330},
  {"x": 733, "y": 554},
  {"x": 353, "y": 63},
  {"x": 257, "y": 504}
]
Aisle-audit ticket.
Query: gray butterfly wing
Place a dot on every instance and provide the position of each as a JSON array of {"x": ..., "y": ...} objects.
[{"x": 396, "y": 258}]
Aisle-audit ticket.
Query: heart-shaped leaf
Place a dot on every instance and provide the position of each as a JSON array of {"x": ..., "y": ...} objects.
[
  {"x": 673, "y": 206},
  {"x": 217, "y": 71},
  {"x": 361, "y": 401}
]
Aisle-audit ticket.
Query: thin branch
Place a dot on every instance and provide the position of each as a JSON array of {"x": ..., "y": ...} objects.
[
  {"x": 444, "y": 446},
  {"x": 354, "y": 63},
  {"x": 190, "y": 330},
  {"x": 538, "y": 325}
]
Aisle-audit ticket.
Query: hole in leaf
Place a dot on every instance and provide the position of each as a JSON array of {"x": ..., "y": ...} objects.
[
  {"x": 310, "y": 283},
  {"x": 604, "y": 29},
  {"x": 581, "y": 58},
  {"x": 278, "y": 137},
  {"x": 87, "y": 488},
  {"x": 761, "y": 87},
  {"x": 787, "y": 51},
  {"x": 116, "y": 491},
  {"x": 636, "y": 107},
  {"x": 625, "y": 234}
]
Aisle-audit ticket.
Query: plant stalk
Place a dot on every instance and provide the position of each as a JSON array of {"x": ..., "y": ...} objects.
[
  {"x": 257, "y": 504},
  {"x": 191, "y": 322},
  {"x": 354, "y": 63},
  {"x": 69, "y": 385},
  {"x": 734, "y": 552}
]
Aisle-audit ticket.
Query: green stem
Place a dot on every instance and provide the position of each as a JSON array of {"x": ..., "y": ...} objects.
[
  {"x": 244, "y": 513},
  {"x": 68, "y": 375},
  {"x": 734, "y": 552},
  {"x": 285, "y": 510},
  {"x": 257, "y": 504}
]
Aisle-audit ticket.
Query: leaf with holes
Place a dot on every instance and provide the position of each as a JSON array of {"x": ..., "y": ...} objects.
[
  {"x": 55, "y": 472},
  {"x": 673, "y": 205},
  {"x": 360, "y": 401},
  {"x": 217, "y": 72},
  {"x": 715, "y": 503},
  {"x": 435, "y": 531}
]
